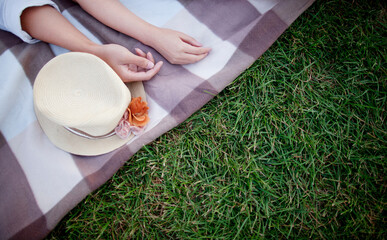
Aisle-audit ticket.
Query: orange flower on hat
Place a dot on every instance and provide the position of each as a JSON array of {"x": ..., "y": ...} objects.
[{"x": 138, "y": 112}]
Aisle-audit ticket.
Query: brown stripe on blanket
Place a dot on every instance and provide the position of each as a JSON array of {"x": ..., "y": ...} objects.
[
  {"x": 193, "y": 101},
  {"x": 32, "y": 57},
  {"x": 98, "y": 169},
  {"x": 100, "y": 31},
  {"x": 18, "y": 207},
  {"x": 171, "y": 85},
  {"x": 36, "y": 230},
  {"x": 289, "y": 10},
  {"x": 64, "y": 4},
  {"x": 166, "y": 124},
  {"x": 98, "y": 175},
  {"x": 8, "y": 40},
  {"x": 234, "y": 67},
  {"x": 220, "y": 15},
  {"x": 263, "y": 35},
  {"x": 3, "y": 141}
]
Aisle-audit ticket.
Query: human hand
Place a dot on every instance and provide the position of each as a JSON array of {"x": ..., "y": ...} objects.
[
  {"x": 128, "y": 66},
  {"x": 177, "y": 47}
]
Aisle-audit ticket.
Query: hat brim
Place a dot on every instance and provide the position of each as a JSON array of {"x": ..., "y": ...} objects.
[{"x": 72, "y": 143}]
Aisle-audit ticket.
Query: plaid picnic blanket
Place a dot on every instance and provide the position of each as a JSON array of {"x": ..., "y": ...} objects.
[{"x": 39, "y": 183}]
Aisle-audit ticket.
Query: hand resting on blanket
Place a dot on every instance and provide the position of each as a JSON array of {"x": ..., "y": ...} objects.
[
  {"x": 47, "y": 24},
  {"x": 127, "y": 65},
  {"x": 177, "y": 47}
]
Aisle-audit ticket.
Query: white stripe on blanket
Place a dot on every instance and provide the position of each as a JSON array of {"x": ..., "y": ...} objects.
[
  {"x": 157, "y": 12},
  {"x": 156, "y": 113},
  {"x": 55, "y": 177},
  {"x": 221, "y": 50},
  {"x": 16, "y": 104},
  {"x": 263, "y": 5}
]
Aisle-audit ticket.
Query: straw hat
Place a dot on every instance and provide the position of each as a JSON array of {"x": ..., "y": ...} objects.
[{"x": 79, "y": 100}]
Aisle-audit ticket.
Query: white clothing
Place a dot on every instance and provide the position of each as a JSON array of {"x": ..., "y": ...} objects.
[{"x": 10, "y": 12}]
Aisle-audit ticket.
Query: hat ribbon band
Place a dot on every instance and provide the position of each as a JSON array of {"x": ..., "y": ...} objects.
[{"x": 88, "y": 136}]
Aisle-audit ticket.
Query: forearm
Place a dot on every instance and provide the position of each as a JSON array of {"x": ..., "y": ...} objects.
[
  {"x": 115, "y": 15},
  {"x": 176, "y": 47},
  {"x": 47, "y": 24}
]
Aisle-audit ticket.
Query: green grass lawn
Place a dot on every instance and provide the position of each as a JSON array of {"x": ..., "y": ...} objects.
[{"x": 295, "y": 147}]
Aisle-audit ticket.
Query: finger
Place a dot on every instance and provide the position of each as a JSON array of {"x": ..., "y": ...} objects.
[
  {"x": 139, "y": 52},
  {"x": 149, "y": 56},
  {"x": 142, "y": 76},
  {"x": 190, "y": 40},
  {"x": 196, "y": 50},
  {"x": 192, "y": 58},
  {"x": 141, "y": 62}
]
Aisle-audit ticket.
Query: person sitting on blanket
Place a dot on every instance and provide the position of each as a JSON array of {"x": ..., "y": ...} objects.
[{"x": 41, "y": 20}]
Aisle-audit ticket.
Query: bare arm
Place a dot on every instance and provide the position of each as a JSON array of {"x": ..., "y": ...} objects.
[
  {"x": 176, "y": 47},
  {"x": 47, "y": 24}
]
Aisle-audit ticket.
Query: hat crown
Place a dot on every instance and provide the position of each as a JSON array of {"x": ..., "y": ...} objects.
[{"x": 78, "y": 91}]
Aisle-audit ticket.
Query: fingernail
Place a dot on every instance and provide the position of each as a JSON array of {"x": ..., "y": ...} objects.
[{"x": 150, "y": 65}]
